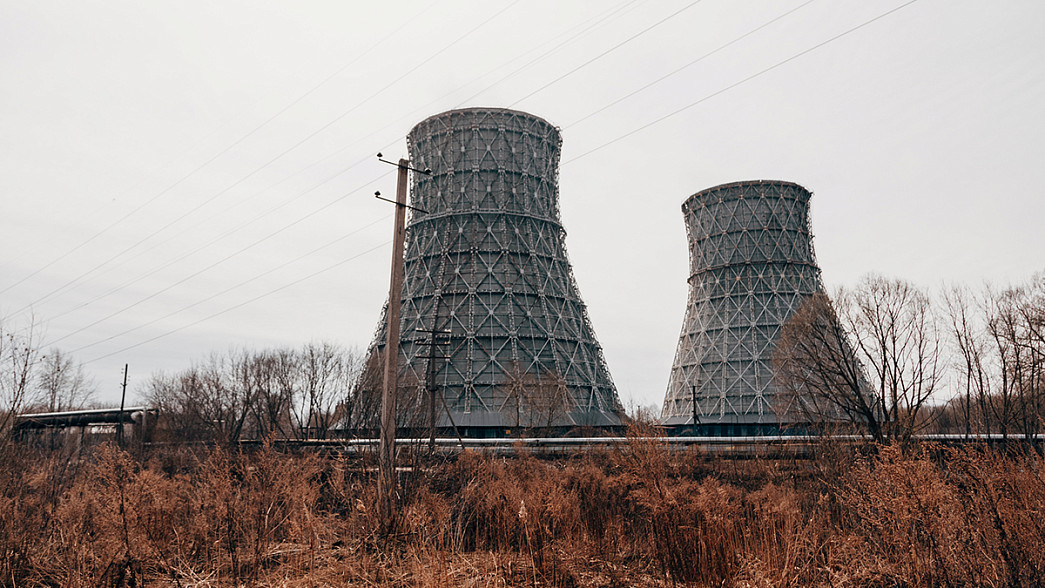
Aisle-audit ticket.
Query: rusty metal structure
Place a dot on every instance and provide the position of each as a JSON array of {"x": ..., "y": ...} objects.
[
  {"x": 751, "y": 266},
  {"x": 495, "y": 338}
]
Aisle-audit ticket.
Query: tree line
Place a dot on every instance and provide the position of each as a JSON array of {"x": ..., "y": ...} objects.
[
  {"x": 892, "y": 360},
  {"x": 885, "y": 358},
  {"x": 305, "y": 393},
  {"x": 243, "y": 394}
]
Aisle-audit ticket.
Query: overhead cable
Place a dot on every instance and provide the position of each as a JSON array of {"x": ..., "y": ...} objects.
[{"x": 736, "y": 84}]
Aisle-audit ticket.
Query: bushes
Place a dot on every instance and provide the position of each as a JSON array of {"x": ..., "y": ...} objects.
[
  {"x": 634, "y": 516},
  {"x": 971, "y": 517}
]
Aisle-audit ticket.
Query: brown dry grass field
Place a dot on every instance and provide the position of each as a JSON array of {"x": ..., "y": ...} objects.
[{"x": 634, "y": 515}]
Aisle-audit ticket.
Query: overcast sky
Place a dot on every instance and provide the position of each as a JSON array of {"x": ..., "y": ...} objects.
[{"x": 179, "y": 178}]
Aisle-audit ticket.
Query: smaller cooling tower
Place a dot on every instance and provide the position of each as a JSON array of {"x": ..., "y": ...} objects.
[{"x": 751, "y": 267}]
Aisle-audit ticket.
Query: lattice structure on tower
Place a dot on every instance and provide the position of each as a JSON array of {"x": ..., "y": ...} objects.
[
  {"x": 495, "y": 337},
  {"x": 751, "y": 267}
]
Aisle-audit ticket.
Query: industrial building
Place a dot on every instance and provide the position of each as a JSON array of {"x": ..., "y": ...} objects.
[
  {"x": 495, "y": 338},
  {"x": 751, "y": 266}
]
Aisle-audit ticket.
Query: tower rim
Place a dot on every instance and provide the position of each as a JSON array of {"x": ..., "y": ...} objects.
[
  {"x": 741, "y": 184},
  {"x": 481, "y": 109}
]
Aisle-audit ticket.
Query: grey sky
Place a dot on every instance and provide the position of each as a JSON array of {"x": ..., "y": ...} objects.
[{"x": 921, "y": 135}]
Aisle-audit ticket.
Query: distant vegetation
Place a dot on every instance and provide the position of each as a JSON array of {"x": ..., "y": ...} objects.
[
  {"x": 634, "y": 515},
  {"x": 884, "y": 358},
  {"x": 250, "y": 395},
  {"x": 37, "y": 380},
  {"x": 893, "y": 511},
  {"x": 887, "y": 359}
]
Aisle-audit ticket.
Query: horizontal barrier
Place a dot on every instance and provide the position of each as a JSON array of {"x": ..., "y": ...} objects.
[{"x": 794, "y": 446}]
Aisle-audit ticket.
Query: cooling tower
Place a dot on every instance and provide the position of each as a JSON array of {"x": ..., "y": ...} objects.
[
  {"x": 751, "y": 266},
  {"x": 492, "y": 320}
]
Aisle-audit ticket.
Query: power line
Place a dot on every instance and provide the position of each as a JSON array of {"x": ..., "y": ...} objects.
[
  {"x": 610, "y": 50},
  {"x": 691, "y": 63},
  {"x": 227, "y": 234},
  {"x": 155, "y": 270},
  {"x": 111, "y": 225},
  {"x": 218, "y": 262},
  {"x": 598, "y": 20},
  {"x": 239, "y": 285},
  {"x": 766, "y": 70},
  {"x": 195, "y": 170},
  {"x": 734, "y": 85},
  {"x": 244, "y": 303},
  {"x": 277, "y": 157},
  {"x": 314, "y": 133}
]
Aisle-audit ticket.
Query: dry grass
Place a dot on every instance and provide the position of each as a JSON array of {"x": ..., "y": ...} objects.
[{"x": 636, "y": 515}]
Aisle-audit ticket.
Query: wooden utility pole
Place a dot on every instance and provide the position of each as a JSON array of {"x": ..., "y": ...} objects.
[
  {"x": 386, "y": 466},
  {"x": 123, "y": 398}
]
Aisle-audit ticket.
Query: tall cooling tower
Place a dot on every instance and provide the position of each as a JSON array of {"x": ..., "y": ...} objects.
[
  {"x": 486, "y": 271},
  {"x": 751, "y": 267}
]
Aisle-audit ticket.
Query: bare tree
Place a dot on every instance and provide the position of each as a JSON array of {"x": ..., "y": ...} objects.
[
  {"x": 896, "y": 333},
  {"x": 172, "y": 397},
  {"x": 1002, "y": 329},
  {"x": 968, "y": 337},
  {"x": 327, "y": 374},
  {"x": 61, "y": 383},
  {"x": 1033, "y": 311},
  {"x": 274, "y": 374},
  {"x": 821, "y": 378},
  {"x": 247, "y": 376},
  {"x": 361, "y": 411},
  {"x": 872, "y": 358},
  {"x": 1014, "y": 325},
  {"x": 1031, "y": 308},
  {"x": 213, "y": 400},
  {"x": 352, "y": 403},
  {"x": 19, "y": 355},
  {"x": 254, "y": 395}
]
